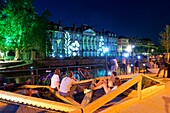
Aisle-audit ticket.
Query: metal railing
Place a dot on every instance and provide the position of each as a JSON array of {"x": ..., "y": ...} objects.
[{"x": 32, "y": 73}]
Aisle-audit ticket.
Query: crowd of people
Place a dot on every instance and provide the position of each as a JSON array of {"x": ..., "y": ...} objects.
[
  {"x": 68, "y": 86},
  {"x": 123, "y": 67}
]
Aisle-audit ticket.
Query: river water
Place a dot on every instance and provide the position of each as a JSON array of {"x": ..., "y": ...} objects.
[{"x": 22, "y": 75}]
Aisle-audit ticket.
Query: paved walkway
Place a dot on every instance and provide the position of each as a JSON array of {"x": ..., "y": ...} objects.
[{"x": 157, "y": 103}]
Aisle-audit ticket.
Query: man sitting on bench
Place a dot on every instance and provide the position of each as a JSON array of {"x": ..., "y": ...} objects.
[{"x": 69, "y": 85}]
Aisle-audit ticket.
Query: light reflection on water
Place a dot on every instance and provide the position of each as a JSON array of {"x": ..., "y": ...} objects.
[
  {"x": 96, "y": 73},
  {"x": 100, "y": 72}
]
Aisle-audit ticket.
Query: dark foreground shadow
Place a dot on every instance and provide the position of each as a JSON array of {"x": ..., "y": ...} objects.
[{"x": 167, "y": 102}]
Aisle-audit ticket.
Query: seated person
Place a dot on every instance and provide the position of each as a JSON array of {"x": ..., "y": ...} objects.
[
  {"x": 69, "y": 85},
  {"x": 55, "y": 80},
  {"x": 112, "y": 84},
  {"x": 101, "y": 84},
  {"x": 12, "y": 86},
  {"x": 29, "y": 92}
]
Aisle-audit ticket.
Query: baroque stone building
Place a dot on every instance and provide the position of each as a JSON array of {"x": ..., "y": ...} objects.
[{"x": 83, "y": 41}]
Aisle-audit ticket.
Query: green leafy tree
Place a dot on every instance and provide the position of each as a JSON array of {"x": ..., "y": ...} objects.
[
  {"x": 21, "y": 28},
  {"x": 17, "y": 21},
  {"x": 42, "y": 43},
  {"x": 165, "y": 39}
]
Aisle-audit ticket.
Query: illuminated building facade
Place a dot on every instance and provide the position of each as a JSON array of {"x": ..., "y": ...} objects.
[
  {"x": 123, "y": 43},
  {"x": 81, "y": 42}
]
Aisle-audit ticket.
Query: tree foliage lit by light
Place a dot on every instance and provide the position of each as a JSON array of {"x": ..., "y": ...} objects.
[
  {"x": 165, "y": 38},
  {"x": 15, "y": 21},
  {"x": 21, "y": 29}
]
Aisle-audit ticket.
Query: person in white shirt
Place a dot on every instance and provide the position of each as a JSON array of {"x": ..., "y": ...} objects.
[
  {"x": 69, "y": 85},
  {"x": 55, "y": 80}
]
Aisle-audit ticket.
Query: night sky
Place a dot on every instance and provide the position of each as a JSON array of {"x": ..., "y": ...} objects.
[{"x": 137, "y": 18}]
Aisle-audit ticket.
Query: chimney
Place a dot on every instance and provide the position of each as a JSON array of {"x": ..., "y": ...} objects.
[
  {"x": 103, "y": 31},
  {"x": 60, "y": 23},
  {"x": 74, "y": 26}
]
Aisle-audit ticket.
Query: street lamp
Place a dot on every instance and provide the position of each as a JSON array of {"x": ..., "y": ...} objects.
[
  {"x": 126, "y": 55},
  {"x": 130, "y": 50},
  {"x": 139, "y": 57},
  {"x": 106, "y": 50},
  {"x": 144, "y": 68},
  {"x": 133, "y": 68}
]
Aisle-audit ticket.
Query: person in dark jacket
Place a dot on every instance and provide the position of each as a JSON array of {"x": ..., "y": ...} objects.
[{"x": 163, "y": 66}]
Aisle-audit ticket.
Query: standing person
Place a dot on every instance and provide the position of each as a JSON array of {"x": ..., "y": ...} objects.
[
  {"x": 149, "y": 65},
  {"x": 55, "y": 80},
  {"x": 69, "y": 85},
  {"x": 124, "y": 67},
  {"x": 136, "y": 66},
  {"x": 157, "y": 63},
  {"x": 163, "y": 66},
  {"x": 114, "y": 65}
]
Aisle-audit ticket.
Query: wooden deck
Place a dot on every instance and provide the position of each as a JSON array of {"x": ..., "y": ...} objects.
[{"x": 157, "y": 103}]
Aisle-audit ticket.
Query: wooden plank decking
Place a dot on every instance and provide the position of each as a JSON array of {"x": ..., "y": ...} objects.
[{"x": 157, "y": 103}]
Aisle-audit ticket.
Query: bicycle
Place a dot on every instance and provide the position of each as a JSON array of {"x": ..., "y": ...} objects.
[
  {"x": 83, "y": 74},
  {"x": 45, "y": 79}
]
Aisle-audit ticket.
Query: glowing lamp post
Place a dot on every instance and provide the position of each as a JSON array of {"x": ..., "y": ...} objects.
[
  {"x": 61, "y": 56},
  {"x": 139, "y": 57},
  {"x": 133, "y": 61},
  {"x": 130, "y": 50},
  {"x": 126, "y": 55},
  {"x": 106, "y": 50}
]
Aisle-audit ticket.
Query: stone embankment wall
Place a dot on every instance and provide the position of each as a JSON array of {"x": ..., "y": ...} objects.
[{"x": 70, "y": 62}]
